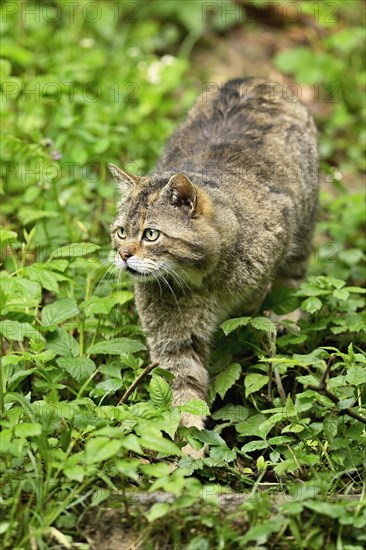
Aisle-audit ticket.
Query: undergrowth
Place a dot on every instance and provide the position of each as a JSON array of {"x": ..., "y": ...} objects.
[{"x": 288, "y": 408}]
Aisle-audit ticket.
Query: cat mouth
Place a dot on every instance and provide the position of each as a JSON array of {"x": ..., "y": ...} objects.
[{"x": 134, "y": 272}]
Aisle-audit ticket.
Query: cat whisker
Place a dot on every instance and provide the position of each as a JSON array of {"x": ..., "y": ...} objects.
[
  {"x": 108, "y": 275},
  {"x": 170, "y": 288},
  {"x": 176, "y": 277}
]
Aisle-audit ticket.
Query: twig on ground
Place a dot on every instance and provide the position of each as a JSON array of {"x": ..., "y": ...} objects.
[{"x": 136, "y": 382}]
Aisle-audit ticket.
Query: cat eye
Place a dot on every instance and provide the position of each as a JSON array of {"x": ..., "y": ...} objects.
[
  {"x": 121, "y": 233},
  {"x": 151, "y": 234}
]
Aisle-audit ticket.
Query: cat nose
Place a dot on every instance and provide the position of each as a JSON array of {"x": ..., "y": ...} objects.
[{"x": 125, "y": 254}]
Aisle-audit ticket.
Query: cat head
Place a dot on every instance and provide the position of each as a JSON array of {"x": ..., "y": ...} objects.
[{"x": 164, "y": 230}]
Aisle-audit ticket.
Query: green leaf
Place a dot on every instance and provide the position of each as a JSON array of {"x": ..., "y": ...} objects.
[
  {"x": 356, "y": 375},
  {"x": 62, "y": 343},
  {"x": 6, "y": 236},
  {"x": 108, "y": 386},
  {"x": 225, "y": 379},
  {"x": 13, "y": 330},
  {"x": 195, "y": 406},
  {"x": 160, "y": 391},
  {"x": 254, "y": 382},
  {"x": 232, "y": 324},
  {"x": 80, "y": 368},
  {"x": 76, "y": 473},
  {"x": 254, "y": 446},
  {"x": 157, "y": 510},
  {"x": 116, "y": 346},
  {"x": 171, "y": 421},
  {"x": 75, "y": 250},
  {"x": 101, "y": 448},
  {"x": 263, "y": 323},
  {"x": 207, "y": 436},
  {"x": 222, "y": 454},
  {"x": 261, "y": 531},
  {"x": 59, "y": 311},
  {"x": 311, "y": 304},
  {"x": 153, "y": 439},
  {"x": 28, "y": 429}
]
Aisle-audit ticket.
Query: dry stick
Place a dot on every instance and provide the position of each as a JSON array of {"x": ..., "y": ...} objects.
[
  {"x": 281, "y": 391},
  {"x": 136, "y": 382}
]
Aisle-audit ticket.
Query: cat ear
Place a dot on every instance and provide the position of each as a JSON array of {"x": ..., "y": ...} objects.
[
  {"x": 181, "y": 192},
  {"x": 125, "y": 181}
]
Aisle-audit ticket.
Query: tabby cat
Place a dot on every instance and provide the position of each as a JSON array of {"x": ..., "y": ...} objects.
[{"x": 228, "y": 211}]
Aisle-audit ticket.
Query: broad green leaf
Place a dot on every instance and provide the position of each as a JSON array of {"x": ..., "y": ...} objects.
[
  {"x": 13, "y": 330},
  {"x": 62, "y": 343},
  {"x": 59, "y": 311},
  {"x": 101, "y": 448},
  {"x": 75, "y": 250},
  {"x": 80, "y": 368},
  {"x": 254, "y": 382},
  {"x": 196, "y": 407},
  {"x": 116, "y": 346},
  {"x": 30, "y": 215},
  {"x": 207, "y": 436},
  {"x": 222, "y": 453},
  {"x": 6, "y": 236},
  {"x": 76, "y": 473},
  {"x": 263, "y": 323},
  {"x": 236, "y": 413},
  {"x": 171, "y": 421},
  {"x": 311, "y": 304},
  {"x": 254, "y": 446},
  {"x": 111, "y": 386},
  {"x": 225, "y": 379},
  {"x": 157, "y": 510},
  {"x": 28, "y": 429},
  {"x": 356, "y": 375},
  {"x": 233, "y": 324},
  {"x": 153, "y": 439},
  {"x": 47, "y": 279}
]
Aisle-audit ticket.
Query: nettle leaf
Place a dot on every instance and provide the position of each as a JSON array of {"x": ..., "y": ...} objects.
[
  {"x": 311, "y": 304},
  {"x": 62, "y": 343},
  {"x": 225, "y": 379},
  {"x": 254, "y": 382},
  {"x": 222, "y": 454},
  {"x": 59, "y": 311},
  {"x": 13, "y": 330},
  {"x": 356, "y": 375},
  {"x": 160, "y": 391},
  {"x": 232, "y": 324},
  {"x": 235, "y": 413},
  {"x": 80, "y": 368},
  {"x": 42, "y": 274},
  {"x": 75, "y": 250},
  {"x": 254, "y": 446},
  {"x": 116, "y": 346},
  {"x": 264, "y": 324},
  {"x": 101, "y": 448},
  {"x": 196, "y": 406}
]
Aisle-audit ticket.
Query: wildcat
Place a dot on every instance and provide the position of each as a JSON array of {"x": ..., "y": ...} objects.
[{"x": 228, "y": 211}]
